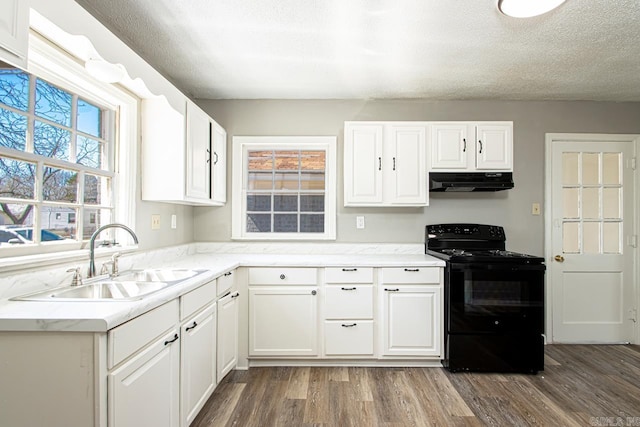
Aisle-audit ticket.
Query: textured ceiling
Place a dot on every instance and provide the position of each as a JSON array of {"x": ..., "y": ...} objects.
[{"x": 435, "y": 49}]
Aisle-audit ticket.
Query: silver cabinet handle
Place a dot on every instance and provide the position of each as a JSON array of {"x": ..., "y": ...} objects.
[
  {"x": 344, "y": 325},
  {"x": 392, "y": 290},
  {"x": 348, "y": 289}
]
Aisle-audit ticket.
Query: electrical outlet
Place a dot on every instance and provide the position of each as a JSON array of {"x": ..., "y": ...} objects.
[
  {"x": 155, "y": 222},
  {"x": 174, "y": 221},
  {"x": 360, "y": 222},
  {"x": 535, "y": 209}
]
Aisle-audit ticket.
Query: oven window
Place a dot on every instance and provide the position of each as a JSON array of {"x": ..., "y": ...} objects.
[{"x": 482, "y": 293}]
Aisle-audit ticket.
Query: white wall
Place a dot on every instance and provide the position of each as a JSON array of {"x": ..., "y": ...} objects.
[{"x": 511, "y": 209}]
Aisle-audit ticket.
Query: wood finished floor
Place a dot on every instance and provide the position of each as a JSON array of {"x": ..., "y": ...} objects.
[{"x": 579, "y": 382}]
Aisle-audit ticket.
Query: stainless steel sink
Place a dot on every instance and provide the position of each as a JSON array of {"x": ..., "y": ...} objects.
[{"x": 129, "y": 286}]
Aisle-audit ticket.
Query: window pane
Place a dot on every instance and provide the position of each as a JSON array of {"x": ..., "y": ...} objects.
[
  {"x": 312, "y": 181},
  {"x": 260, "y": 160},
  {"x": 60, "y": 185},
  {"x": 13, "y": 130},
  {"x": 285, "y": 223},
  {"x": 312, "y": 223},
  {"x": 17, "y": 179},
  {"x": 19, "y": 215},
  {"x": 611, "y": 203},
  {"x": 611, "y": 237},
  {"x": 312, "y": 160},
  {"x": 611, "y": 168},
  {"x": 56, "y": 225},
  {"x": 260, "y": 181},
  {"x": 258, "y": 203},
  {"x": 591, "y": 203},
  {"x": 570, "y": 202},
  {"x": 89, "y": 118},
  {"x": 570, "y": 238},
  {"x": 570, "y": 168},
  {"x": 287, "y": 160},
  {"x": 14, "y": 88},
  {"x": 53, "y": 103},
  {"x": 51, "y": 141},
  {"x": 591, "y": 237},
  {"x": 590, "y": 168},
  {"x": 89, "y": 152},
  {"x": 285, "y": 203},
  {"x": 311, "y": 203},
  {"x": 259, "y": 223},
  {"x": 96, "y": 190},
  {"x": 286, "y": 181},
  {"x": 94, "y": 218}
]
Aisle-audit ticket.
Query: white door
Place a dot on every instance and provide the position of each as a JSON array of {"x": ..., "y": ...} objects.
[
  {"x": 591, "y": 263},
  {"x": 363, "y": 164},
  {"x": 227, "y": 334},
  {"x": 407, "y": 154}
]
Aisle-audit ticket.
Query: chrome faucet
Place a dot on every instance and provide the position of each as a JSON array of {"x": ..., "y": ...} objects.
[{"x": 92, "y": 244}]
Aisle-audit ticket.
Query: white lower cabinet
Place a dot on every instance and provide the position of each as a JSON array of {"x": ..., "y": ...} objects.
[
  {"x": 411, "y": 314},
  {"x": 145, "y": 390},
  {"x": 227, "y": 334},
  {"x": 283, "y": 321},
  {"x": 197, "y": 363}
]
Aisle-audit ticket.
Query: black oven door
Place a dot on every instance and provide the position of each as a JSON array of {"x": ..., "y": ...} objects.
[{"x": 495, "y": 298}]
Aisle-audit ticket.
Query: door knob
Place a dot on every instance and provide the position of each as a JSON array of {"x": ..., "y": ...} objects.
[{"x": 559, "y": 258}]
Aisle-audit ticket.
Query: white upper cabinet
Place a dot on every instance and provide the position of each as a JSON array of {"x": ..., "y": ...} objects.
[
  {"x": 14, "y": 32},
  {"x": 178, "y": 165},
  {"x": 385, "y": 164},
  {"x": 472, "y": 146}
]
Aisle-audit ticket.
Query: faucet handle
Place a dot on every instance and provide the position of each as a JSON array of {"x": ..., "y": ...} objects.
[
  {"x": 114, "y": 263},
  {"x": 105, "y": 267},
  {"x": 77, "y": 276}
]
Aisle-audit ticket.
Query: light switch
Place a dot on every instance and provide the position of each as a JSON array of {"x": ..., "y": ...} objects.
[
  {"x": 174, "y": 221},
  {"x": 535, "y": 209},
  {"x": 360, "y": 222},
  {"x": 155, "y": 222}
]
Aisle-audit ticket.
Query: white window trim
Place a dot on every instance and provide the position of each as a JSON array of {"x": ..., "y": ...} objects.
[
  {"x": 241, "y": 144},
  {"x": 50, "y": 63}
]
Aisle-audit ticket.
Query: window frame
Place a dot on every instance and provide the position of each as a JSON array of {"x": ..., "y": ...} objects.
[
  {"x": 51, "y": 63},
  {"x": 243, "y": 144}
]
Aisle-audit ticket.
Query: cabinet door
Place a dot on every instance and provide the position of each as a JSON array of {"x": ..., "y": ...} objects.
[
  {"x": 411, "y": 323},
  {"x": 406, "y": 150},
  {"x": 219, "y": 164},
  {"x": 145, "y": 390},
  {"x": 363, "y": 164},
  {"x": 451, "y": 147},
  {"x": 227, "y": 334},
  {"x": 14, "y": 32},
  {"x": 283, "y": 321},
  {"x": 198, "y": 153},
  {"x": 197, "y": 363},
  {"x": 494, "y": 147}
]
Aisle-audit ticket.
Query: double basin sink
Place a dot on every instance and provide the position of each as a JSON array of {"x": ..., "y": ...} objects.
[{"x": 128, "y": 286}]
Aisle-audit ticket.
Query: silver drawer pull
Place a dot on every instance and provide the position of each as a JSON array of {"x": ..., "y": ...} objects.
[
  {"x": 392, "y": 290},
  {"x": 349, "y": 326},
  {"x": 349, "y": 269},
  {"x": 348, "y": 289},
  {"x": 413, "y": 270}
]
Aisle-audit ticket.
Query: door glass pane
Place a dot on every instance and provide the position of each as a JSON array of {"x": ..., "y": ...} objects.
[
  {"x": 611, "y": 203},
  {"x": 611, "y": 237},
  {"x": 570, "y": 168},
  {"x": 611, "y": 168},
  {"x": 571, "y": 202},
  {"x": 591, "y": 203},
  {"x": 590, "y": 168},
  {"x": 591, "y": 237},
  {"x": 570, "y": 238}
]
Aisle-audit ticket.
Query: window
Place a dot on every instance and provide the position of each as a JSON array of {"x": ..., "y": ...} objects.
[
  {"x": 287, "y": 187},
  {"x": 58, "y": 165}
]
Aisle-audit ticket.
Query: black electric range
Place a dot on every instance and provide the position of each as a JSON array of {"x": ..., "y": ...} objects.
[{"x": 494, "y": 300}]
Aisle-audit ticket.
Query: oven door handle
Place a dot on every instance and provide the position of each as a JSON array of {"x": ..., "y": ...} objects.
[{"x": 497, "y": 267}]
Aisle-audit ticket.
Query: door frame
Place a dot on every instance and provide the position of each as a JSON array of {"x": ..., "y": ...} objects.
[{"x": 550, "y": 138}]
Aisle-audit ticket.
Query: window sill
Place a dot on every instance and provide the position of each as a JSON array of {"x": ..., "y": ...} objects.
[{"x": 29, "y": 262}]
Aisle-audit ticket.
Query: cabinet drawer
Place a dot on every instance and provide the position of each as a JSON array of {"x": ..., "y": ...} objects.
[
  {"x": 429, "y": 275},
  {"x": 349, "y": 302},
  {"x": 283, "y": 276},
  {"x": 226, "y": 282},
  {"x": 196, "y": 299},
  {"x": 129, "y": 337},
  {"x": 348, "y": 275},
  {"x": 346, "y": 338}
]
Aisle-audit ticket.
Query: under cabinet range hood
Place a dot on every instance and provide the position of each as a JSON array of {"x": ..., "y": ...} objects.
[{"x": 470, "y": 181}]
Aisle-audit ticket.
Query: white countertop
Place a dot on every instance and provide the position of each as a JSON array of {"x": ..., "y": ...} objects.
[{"x": 85, "y": 316}]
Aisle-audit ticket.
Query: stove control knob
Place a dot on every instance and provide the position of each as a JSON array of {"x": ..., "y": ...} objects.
[{"x": 497, "y": 322}]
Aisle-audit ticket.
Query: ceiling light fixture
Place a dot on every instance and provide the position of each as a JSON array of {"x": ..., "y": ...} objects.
[
  {"x": 104, "y": 71},
  {"x": 527, "y": 8}
]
